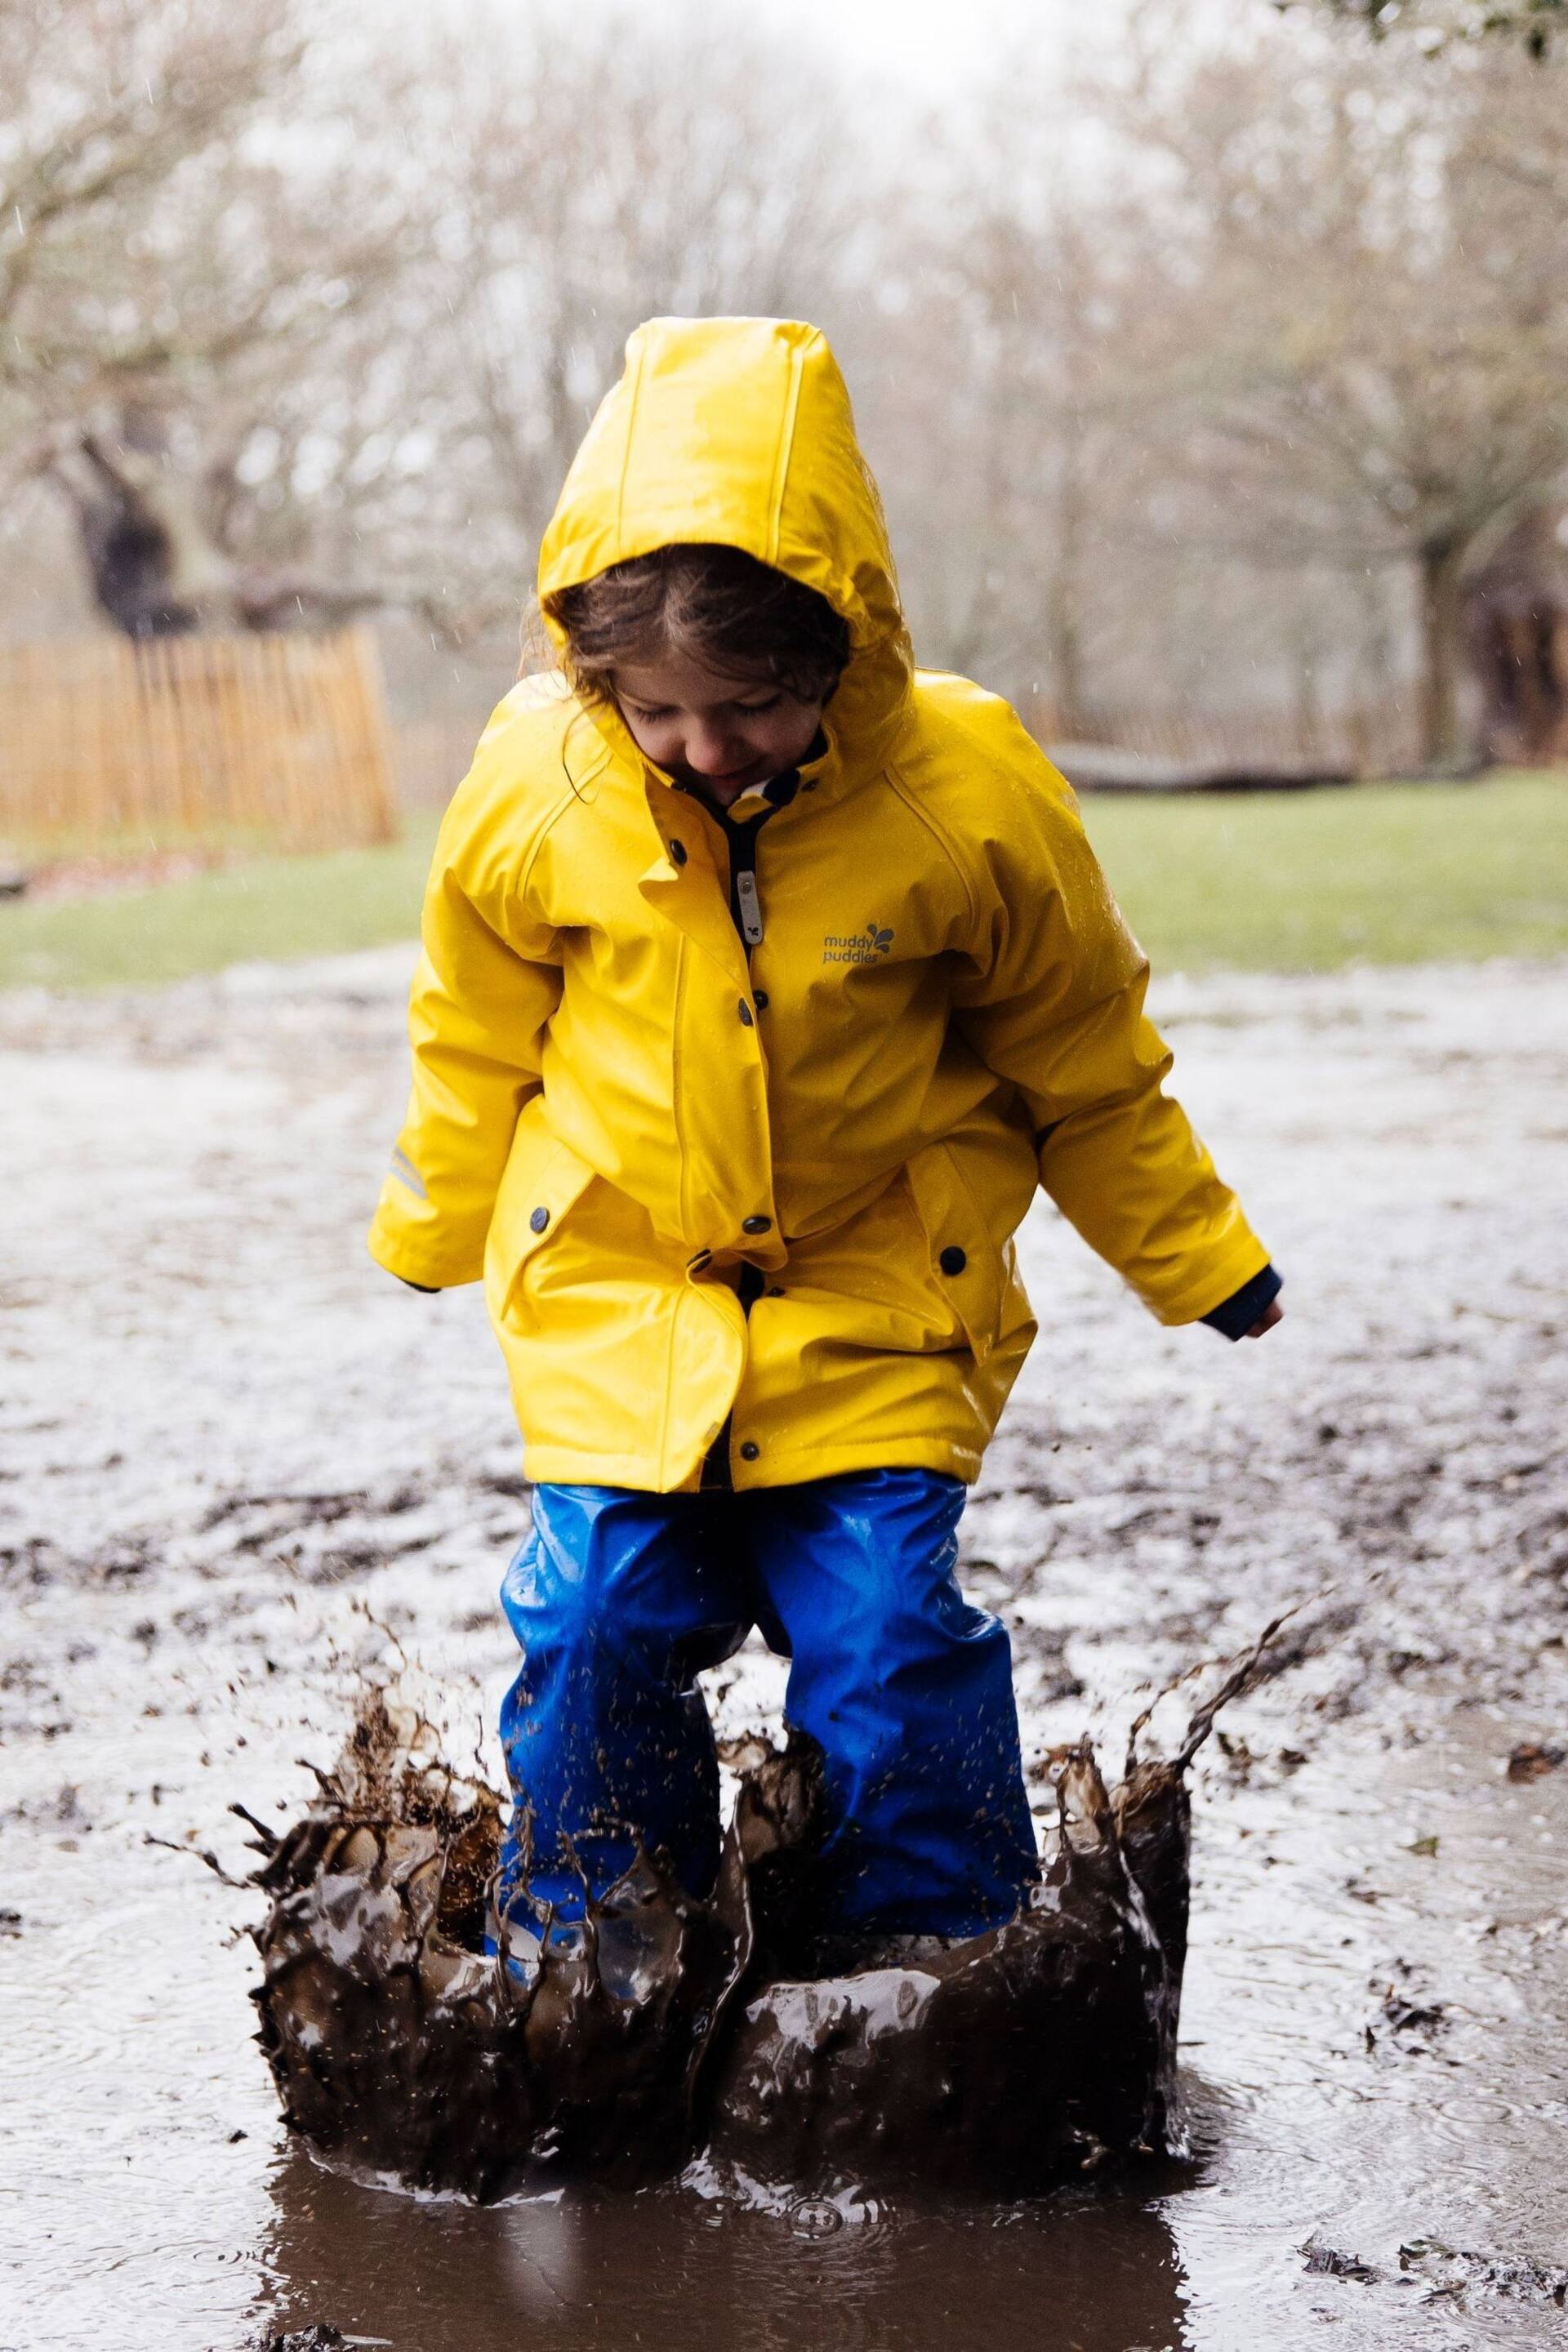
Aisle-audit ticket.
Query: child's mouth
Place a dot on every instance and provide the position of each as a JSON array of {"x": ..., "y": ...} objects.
[{"x": 731, "y": 779}]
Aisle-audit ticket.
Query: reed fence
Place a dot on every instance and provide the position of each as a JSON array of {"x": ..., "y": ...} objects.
[{"x": 279, "y": 739}]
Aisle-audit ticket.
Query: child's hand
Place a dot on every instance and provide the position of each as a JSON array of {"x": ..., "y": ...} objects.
[{"x": 1266, "y": 1322}]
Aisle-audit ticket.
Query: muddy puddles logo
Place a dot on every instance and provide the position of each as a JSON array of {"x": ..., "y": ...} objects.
[{"x": 857, "y": 946}]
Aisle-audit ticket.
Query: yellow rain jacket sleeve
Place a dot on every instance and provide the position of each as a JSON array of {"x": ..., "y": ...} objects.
[
  {"x": 1055, "y": 1006},
  {"x": 486, "y": 984}
]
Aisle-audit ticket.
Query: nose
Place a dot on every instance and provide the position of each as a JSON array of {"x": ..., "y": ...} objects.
[{"x": 713, "y": 754}]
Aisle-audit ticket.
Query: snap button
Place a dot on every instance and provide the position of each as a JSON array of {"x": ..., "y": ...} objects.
[
  {"x": 678, "y": 851},
  {"x": 952, "y": 1260},
  {"x": 750, "y": 1451},
  {"x": 744, "y": 1011},
  {"x": 538, "y": 1220},
  {"x": 762, "y": 996},
  {"x": 756, "y": 1224}
]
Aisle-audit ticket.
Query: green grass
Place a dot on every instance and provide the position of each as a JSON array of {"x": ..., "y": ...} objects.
[
  {"x": 1302, "y": 882},
  {"x": 1307, "y": 881},
  {"x": 275, "y": 909}
]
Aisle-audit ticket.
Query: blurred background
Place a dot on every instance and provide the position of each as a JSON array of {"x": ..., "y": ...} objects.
[{"x": 1212, "y": 357}]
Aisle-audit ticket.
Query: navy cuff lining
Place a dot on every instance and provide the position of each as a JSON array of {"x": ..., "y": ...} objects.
[{"x": 1236, "y": 1315}]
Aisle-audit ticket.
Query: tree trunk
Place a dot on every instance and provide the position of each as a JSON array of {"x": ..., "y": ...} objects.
[
  {"x": 1516, "y": 622},
  {"x": 156, "y": 570},
  {"x": 1065, "y": 659},
  {"x": 1065, "y": 599},
  {"x": 1307, "y": 653},
  {"x": 1382, "y": 729},
  {"x": 1441, "y": 562}
]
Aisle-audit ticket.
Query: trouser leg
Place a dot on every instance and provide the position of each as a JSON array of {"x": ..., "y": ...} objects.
[
  {"x": 908, "y": 1691},
  {"x": 617, "y": 1599}
]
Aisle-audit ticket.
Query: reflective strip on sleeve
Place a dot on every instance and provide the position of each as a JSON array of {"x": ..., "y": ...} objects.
[{"x": 403, "y": 1168}]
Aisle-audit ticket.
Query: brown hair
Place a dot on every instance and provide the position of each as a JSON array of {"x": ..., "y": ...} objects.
[{"x": 714, "y": 606}]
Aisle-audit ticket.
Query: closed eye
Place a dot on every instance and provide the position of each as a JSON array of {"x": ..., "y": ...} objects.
[{"x": 651, "y": 711}]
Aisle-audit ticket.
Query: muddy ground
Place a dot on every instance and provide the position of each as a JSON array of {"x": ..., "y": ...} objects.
[{"x": 236, "y": 1463}]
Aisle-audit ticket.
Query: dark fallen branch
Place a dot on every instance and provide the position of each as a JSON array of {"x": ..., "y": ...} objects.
[{"x": 1101, "y": 768}]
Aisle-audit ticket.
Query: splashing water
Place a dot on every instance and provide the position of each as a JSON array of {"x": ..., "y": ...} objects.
[{"x": 412, "y": 2034}]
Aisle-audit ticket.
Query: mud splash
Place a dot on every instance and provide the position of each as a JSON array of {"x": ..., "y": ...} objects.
[
  {"x": 411, "y": 2033},
  {"x": 397, "y": 2043}
]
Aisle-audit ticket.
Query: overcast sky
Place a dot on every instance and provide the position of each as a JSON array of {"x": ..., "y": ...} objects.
[
  {"x": 934, "y": 43},
  {"x": 931, "y": 40}
]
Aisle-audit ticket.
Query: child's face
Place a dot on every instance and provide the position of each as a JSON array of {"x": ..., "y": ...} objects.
[{"x": 724, "y": 733}]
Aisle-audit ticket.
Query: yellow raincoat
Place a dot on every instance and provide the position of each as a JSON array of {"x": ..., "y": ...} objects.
[{"x": 611, "y": 1111}]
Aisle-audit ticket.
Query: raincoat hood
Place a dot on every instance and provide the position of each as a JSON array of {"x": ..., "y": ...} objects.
[{"x": 739, "y": 432}]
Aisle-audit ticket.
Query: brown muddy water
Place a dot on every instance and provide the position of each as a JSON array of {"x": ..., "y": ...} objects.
[
  {"x": 743, "y": 2031},
  {"x": 238, "y": 1469}
]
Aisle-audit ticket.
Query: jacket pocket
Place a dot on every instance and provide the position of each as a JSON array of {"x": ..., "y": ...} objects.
[
  {"x": 965, "y": 1262},
  {"x": 544, "y": 1179}
]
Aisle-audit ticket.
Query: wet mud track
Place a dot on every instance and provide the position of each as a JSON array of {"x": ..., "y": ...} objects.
[{"x": 237, "y": 1467}]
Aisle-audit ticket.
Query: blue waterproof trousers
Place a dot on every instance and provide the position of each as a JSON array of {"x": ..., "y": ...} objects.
[{"x": 619, "y": 1598}]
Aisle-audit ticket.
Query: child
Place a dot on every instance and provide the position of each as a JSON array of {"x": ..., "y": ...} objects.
[{"x": 764, "y": 978}]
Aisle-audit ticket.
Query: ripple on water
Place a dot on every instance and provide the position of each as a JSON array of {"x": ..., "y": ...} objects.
[{"x": 728, "y": 2186}]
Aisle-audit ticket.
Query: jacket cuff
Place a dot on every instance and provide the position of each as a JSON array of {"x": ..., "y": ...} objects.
[
  {"x": 425, "y": 1260},
  {"x": 1236, "y": 1315}
]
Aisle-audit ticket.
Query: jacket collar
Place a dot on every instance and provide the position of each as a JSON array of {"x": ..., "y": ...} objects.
[{"x": 827, "y": 772}]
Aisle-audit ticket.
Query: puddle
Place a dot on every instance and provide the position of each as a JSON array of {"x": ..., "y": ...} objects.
[
  {"x": 668, "y": 2267},
  {"x": 1374, "y": 2077},
  {"x": 265, "y": 1458}
]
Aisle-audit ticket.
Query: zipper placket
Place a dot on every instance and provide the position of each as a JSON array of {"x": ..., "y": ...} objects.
[
  {"x": 745, "y": 895},
  {"x": 746, "y": 914}
]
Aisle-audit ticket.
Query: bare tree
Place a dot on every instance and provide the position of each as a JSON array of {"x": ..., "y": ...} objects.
[
  {"x": 1175, "y": 373},
  {"x": 1014, "y": 453},
  {"x": 1433, "y": 24},
  {"x": 1365, "y": 275},
  {"x": 585, "y": 170},
  {"x": 173, "y": 242}
]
